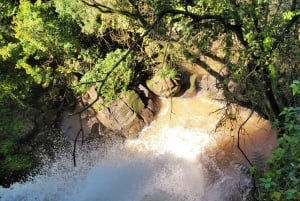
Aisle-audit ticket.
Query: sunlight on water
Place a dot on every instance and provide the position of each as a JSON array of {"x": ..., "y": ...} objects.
[
  {"x": 178, "y": 141},
  {"x": 163, "y": 166}
]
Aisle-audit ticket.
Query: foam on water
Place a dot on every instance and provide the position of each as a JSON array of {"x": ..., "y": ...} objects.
[{"x": 168, "y": 165}]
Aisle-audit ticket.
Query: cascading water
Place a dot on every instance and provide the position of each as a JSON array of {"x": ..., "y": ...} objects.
[{"x": 170, "y": 161}]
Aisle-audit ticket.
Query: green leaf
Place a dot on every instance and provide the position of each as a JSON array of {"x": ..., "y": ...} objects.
[
  {"x": 287, "y": 16},
  {"x": 268, "y": 43},
  {"x": 295, "y": 86},
  {"x": 276, "y": 195}
]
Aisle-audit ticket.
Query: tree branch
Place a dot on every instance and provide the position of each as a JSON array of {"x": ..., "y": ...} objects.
[
  {"x": 81, "y": 131},
  {"x": 245, "y": 155},
  {"x": 238, "y": 140},
  {"x": 106, "y": 9}
]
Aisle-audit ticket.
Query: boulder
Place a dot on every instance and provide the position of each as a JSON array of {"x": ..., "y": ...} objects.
[
  {"x": 147, "y": 116},
  {"x": 129, "y": 114},
  {"x": 133, "y": 100},
  {"x": 104, "y": 135},
  {"x": 117, "y": 115},
  {"x": 152, "y": 106},
  {"x": 163, "y": 86}
]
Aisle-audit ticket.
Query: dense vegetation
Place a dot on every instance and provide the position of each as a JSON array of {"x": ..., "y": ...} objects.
[{"x": 51, "y": 46}]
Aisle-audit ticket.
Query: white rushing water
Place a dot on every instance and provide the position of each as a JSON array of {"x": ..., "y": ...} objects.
[
  {"x": 176, "y": 158},
  {"x": 170, "y": 165}
]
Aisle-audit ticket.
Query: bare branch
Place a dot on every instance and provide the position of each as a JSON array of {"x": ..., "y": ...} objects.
[
  {"x": 238, "y": 139},
  {"x": 106, "y": 9},
  {"x": 81, "y": 131}
]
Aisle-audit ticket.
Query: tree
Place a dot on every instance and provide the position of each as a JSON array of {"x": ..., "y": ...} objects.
[{"x": 258, "y": 43}]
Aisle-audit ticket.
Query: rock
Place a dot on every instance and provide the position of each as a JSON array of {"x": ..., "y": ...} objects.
[
  {"x": 147, "y": 93},
  {"x": 132, "y": 130},
  {"x": 163, "y": 87},
  {"x": 90, "y": 96},
  {"x": 104, "y": 135},
  {"x": 152, "y": 106},
  {"x": 132, "y": 99},
  {"x": 147, "y": 116},
  {"x": 118, "y": 115},
  {"x": 126, "y": 114},
  {"x": 192, "y": 90}
]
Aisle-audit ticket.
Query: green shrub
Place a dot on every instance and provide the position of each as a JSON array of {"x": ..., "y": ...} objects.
[{"x": 282, "y": 181}]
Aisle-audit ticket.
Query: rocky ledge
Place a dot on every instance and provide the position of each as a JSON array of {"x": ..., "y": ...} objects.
[{"x": 127, "y": 116}]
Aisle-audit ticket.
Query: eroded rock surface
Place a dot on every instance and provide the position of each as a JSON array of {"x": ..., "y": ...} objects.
[{"x": 125, "y": 117}]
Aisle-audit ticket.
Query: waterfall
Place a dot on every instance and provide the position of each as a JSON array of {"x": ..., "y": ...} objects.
[
  {"x": 176, "y": 158},
  {"x": 141, "y": 170}
]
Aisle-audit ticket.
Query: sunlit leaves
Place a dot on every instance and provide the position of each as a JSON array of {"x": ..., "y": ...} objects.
[
  {"x": 281, "y": 181},
  {"x": 113, "y": 85},
  {"x": 295, "y": 86},
  {"x": 86, "y": 17},
  {"x": 43, "y": 38},
  {"x": 287, "y": 16}
]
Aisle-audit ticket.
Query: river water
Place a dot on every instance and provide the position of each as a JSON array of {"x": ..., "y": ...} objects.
[{"x": 179, "y": 157}]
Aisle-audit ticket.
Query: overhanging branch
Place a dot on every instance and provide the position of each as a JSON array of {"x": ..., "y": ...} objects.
[{"x": 106, "y": 9}]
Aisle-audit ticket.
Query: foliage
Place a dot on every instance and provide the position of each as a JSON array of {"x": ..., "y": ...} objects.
[
  {"x": 18, "y": 163},
  {"x": 14, "y": 159},
  {"x": 43, "y": 38},
  {"x": 116, "y": 83},
  {"x": 13, "y": 83},
  {"x": 254, "y": 42},
  {"x": 168, "y": 72},
  {"x": 281, "y": 181}
]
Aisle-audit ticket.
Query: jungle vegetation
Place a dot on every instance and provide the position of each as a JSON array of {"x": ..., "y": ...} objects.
[{"x": 56, "y": 46}]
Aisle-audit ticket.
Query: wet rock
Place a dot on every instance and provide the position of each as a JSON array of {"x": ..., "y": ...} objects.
[
  {"x": 126, "y": 117},
  {"x": 104, "y": 135},
  {"x": 132, "y": 130},
  {"x": 152, "y": 106},
  {"x": 147, "y": 115}
]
